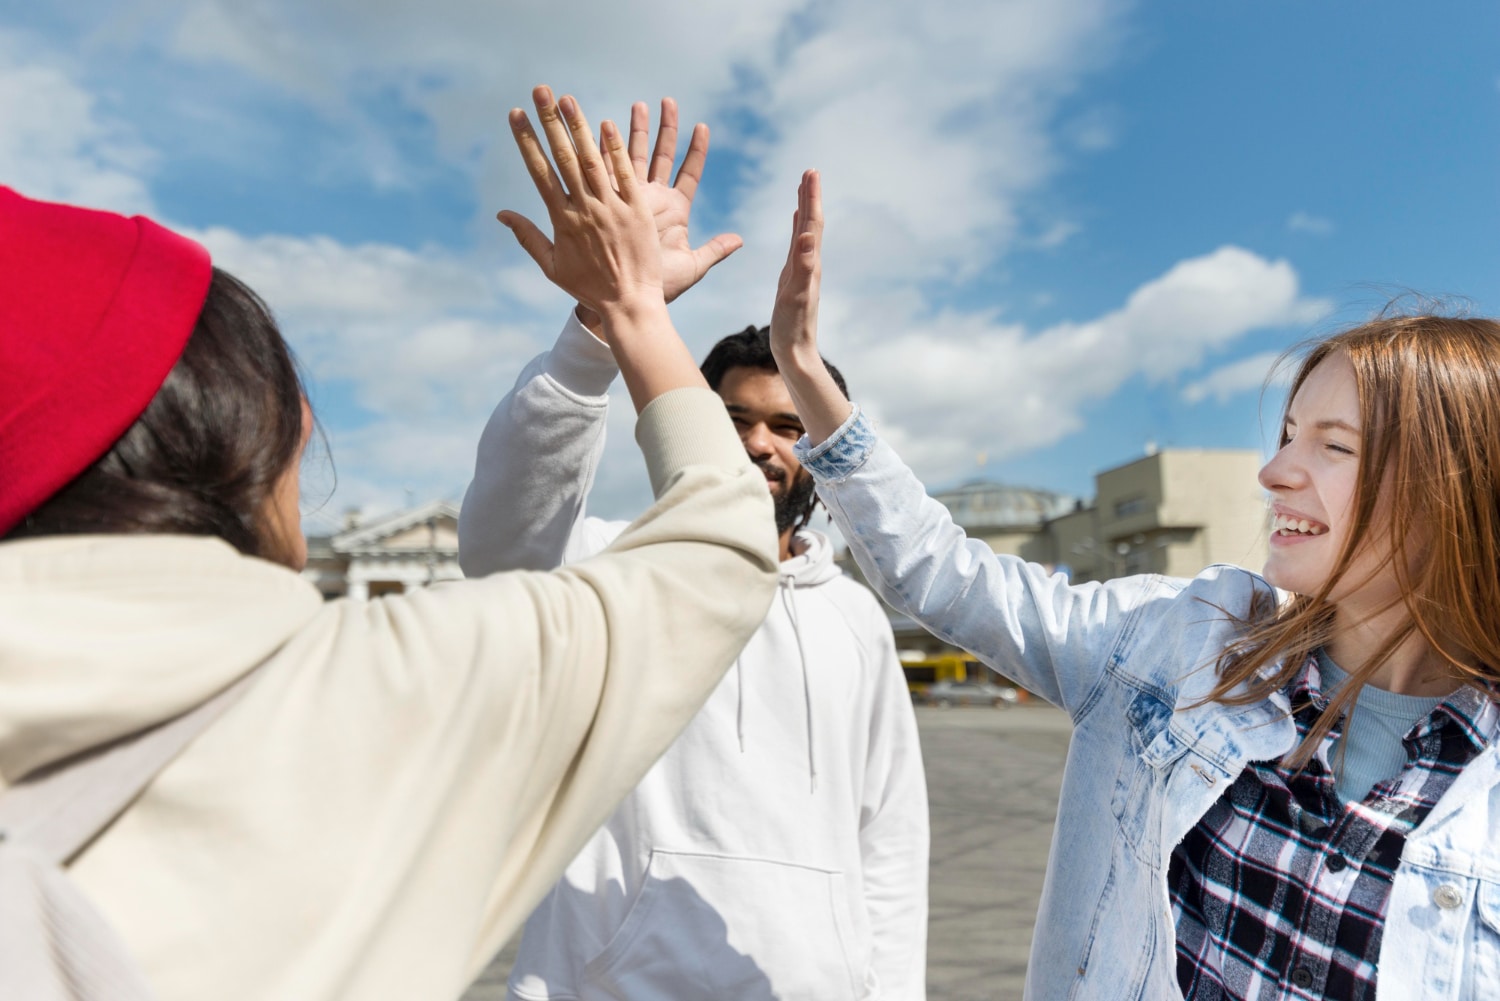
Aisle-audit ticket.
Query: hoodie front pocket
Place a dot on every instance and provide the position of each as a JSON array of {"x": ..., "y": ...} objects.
[{"x": 714, "y": 926}]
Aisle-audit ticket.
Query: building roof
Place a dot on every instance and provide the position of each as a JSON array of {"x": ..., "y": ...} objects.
[
  {"x": 989, "y": 505},
  {"x": 365, "y": 536}
]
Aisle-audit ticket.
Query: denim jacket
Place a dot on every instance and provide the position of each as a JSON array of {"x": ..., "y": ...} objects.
[{"x": 1128, "y": 659}]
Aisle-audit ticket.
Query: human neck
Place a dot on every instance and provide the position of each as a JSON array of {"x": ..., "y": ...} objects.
[
  {"x": 787, "y": 545},
  {"x": 1413, "y": 668}
]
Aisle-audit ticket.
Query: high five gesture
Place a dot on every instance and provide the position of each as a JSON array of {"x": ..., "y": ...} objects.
[
  {"x": 604, "y": 247},
  {"x": 794, "y": 319}
]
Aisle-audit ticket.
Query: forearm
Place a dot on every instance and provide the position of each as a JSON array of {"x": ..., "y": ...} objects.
[
  {"x": 653, "y": 360},
  {"x": 585, "y": 674},
  {"x": 1019, "y": 618},
  {"x": 819, "y": 401},
  {"x": 536, "y": 459}
]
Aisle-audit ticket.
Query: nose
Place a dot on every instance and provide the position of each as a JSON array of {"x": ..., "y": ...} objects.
[
  {"x": 757, "y": 440},
  {"x": 1282, "y": 471}
]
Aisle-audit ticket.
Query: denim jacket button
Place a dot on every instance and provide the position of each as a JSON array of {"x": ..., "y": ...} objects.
[{"x": 1447, "y": 896}]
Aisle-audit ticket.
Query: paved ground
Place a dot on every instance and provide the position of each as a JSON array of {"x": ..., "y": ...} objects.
[{"x": 992, "y": 777}]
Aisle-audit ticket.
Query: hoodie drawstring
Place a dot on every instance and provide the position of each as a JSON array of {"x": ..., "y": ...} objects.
[
  {"x": 739, "y": 704},
  {"x": 788, "y": 598}
]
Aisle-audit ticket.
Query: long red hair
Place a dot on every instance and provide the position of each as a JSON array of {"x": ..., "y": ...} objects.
[{"x": 1429, "y": 401}]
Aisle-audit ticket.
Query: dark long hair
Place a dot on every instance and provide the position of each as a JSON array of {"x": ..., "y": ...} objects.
[{"x": 207, "y": 453}]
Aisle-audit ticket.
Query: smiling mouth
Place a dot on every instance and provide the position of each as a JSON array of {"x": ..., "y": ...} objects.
[{"x": 1286, "y": 527}]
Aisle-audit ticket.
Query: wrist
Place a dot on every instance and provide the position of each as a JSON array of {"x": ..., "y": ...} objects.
[
  {"x": 640, "y": 310},
  {"x": 586, "y": 316},
  {"x": 798, "y": 359}
]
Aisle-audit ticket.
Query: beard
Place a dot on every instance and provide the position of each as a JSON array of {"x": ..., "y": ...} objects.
[{"x": 795, "y": 503}]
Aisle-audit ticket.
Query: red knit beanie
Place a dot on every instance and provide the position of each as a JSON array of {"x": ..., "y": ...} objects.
[{"x": 95, "y": 309}]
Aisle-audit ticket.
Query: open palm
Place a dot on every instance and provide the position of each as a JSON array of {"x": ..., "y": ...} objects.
[{"x": 671, "y": 201}]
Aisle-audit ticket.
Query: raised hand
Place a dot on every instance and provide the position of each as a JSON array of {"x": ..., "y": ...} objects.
[
  {"x": 794, "y": 319},
  {"x": 671, "y": 202},
  {"x": 603, "y": 250}
]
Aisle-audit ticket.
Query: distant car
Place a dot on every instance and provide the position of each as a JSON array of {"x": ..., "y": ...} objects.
[{"x": 968, "y": 693}]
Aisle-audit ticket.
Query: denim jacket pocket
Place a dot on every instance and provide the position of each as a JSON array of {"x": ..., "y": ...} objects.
[
  {"x": 1145, "y": 765},
  {"x": 1482, "y": 965}
]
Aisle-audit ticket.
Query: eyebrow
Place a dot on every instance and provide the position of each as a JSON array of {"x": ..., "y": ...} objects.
[
  {"x": 735, "y": 408},
  {"x": 1328, "y": 425}
]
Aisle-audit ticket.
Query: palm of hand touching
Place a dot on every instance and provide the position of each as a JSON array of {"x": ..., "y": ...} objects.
[
  {"x": 602, "y": 250},
  {"x": 794, "y": 318},
  {"x": 671, "y": 202},
  {"x": 681, "y": 265}
]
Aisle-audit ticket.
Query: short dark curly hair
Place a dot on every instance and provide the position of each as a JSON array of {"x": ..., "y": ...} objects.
[{"x": 750, "y": 348}]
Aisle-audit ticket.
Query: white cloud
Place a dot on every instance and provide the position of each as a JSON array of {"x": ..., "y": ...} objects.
[
  {"x": 953, "y": 384},
  {"x": 57, "y": 143},
  {"x": 934, "y": 126},
  {"x": 1248, "y": 375},
  {"x": 417, "y": 333},
  {"x": 1306, "y": 222}
]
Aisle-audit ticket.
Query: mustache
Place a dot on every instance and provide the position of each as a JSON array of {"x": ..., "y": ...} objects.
[{"x": 771, "y": 472}]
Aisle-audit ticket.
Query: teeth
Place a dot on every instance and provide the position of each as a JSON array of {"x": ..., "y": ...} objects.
[{"x": 1295, "y": 526}]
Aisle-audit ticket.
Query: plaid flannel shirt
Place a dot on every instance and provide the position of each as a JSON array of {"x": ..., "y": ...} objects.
[{"x": 1280, "y": 891}]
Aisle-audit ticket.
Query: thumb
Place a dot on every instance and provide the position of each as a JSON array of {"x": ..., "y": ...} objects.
[
  {"x": 716, "y": 250},
  {"x": 531, "y": 239}
]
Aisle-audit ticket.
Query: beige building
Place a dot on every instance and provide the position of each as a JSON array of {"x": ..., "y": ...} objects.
[
  {"x": 386, "y": 555},
  {"x": 1173, "y": 512}
]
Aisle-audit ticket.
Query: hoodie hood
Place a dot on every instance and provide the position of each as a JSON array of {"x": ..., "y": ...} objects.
[
  {"x": 101, "y": 636},
  {"x": 813, "y": 564}
]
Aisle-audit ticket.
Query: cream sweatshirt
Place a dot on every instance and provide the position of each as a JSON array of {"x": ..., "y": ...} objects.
[{"x": 408, "y": 775}]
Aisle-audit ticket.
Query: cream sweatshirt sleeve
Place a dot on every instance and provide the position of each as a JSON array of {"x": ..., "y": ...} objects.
[{"x": 411, "y": 774}]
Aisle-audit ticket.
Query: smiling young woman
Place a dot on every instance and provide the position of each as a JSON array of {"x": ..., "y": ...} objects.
[
  {"x": 1279, "y": 784},
  {"x": 1391, "y": 445}
]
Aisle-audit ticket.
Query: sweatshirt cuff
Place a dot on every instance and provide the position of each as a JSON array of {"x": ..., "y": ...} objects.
[
  {"x": 580, "y": 362},
  {"x": 686, "y": 427}
]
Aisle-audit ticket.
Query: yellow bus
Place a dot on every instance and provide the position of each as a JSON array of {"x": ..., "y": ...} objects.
[{"x": 923, "y": 672}]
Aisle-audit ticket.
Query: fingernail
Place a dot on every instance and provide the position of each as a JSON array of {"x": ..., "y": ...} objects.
[{"x": 569, "y": 106}]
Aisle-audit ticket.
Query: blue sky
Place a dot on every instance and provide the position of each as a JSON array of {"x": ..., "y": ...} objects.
[{"x": 1058, "y": 229}]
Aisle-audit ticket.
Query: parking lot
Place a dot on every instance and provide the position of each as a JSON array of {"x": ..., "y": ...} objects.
[{"x": 993, "y": 777}]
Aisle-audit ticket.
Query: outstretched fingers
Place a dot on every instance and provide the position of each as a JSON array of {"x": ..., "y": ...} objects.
[
  {"x": 640, "y": 139},
  {"x": 797, "y": 289},
  {"x": 617, "y": 156},
  {"x": 691, "y": 171},
  {"x": 537, "y": 164},
  {"x": 810, "y": 204},
  {"x": 666, "y": 143},
  {"x": 548, "y": 113},
  {"x": 590, "y": 162}
]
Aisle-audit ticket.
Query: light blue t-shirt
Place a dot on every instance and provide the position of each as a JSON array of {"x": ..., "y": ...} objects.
[{"x": 1372, "y": 750}]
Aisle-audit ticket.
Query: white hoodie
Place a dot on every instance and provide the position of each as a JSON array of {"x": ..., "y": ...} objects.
[
  {"x": 405, "y": 777},
  {"x": 779, "y": 848}
]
